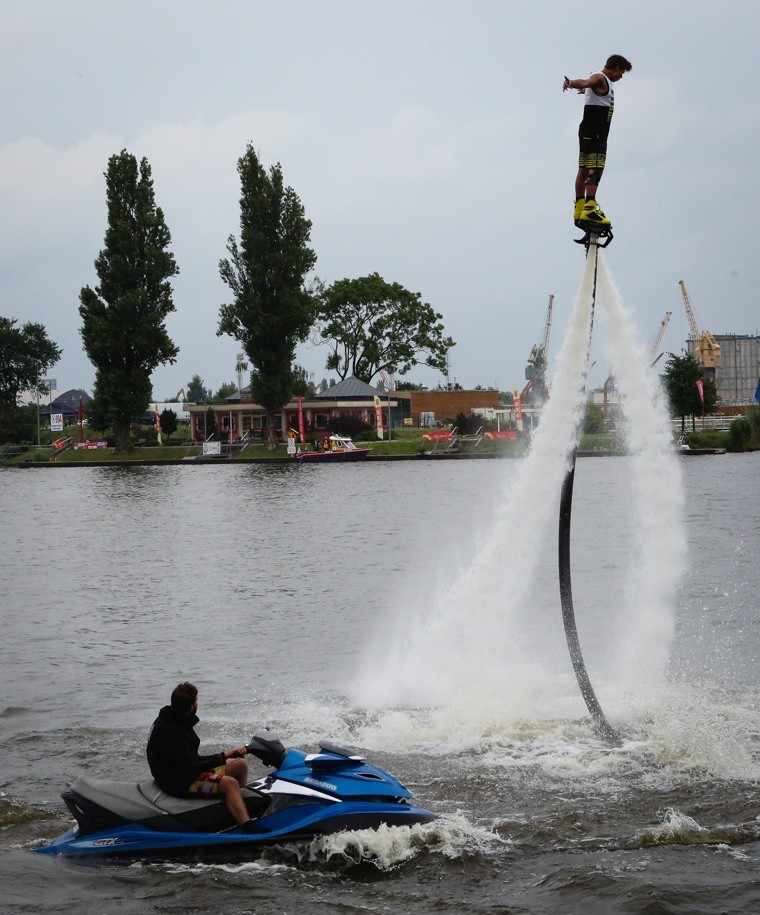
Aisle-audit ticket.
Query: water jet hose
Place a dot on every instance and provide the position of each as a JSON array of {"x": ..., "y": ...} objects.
[{"x": 601, "y": 725}]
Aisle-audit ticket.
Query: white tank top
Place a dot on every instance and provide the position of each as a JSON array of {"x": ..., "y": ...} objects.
[{"x": 605, "y": 101}]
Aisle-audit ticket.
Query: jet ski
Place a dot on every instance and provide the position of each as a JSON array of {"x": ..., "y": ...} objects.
[{"x": 307, "y": 795}]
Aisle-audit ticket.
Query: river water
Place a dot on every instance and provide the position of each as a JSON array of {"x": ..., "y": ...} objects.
[{"x": 288, "y": 595}]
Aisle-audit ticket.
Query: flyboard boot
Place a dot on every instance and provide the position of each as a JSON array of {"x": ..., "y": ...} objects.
[
  {"x": 579, "y": 203},
  {"x": 593, "y": 222}
]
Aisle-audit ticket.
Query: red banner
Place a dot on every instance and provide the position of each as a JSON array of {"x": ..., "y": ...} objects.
[{"x": 301, "y": 428}]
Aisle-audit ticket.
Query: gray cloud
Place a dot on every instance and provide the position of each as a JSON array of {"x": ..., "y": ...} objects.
[{"x": 428, "y": 141}]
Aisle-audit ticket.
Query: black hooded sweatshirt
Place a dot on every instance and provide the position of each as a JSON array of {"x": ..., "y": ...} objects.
[{"x": 173, "y": 752}]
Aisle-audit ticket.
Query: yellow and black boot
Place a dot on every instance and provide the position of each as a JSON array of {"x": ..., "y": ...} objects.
[
  {"x": 579, "y": 201},
  {"x": 592, "y": 216}
]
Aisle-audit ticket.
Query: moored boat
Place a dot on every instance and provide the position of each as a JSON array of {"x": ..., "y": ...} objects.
[{"x": 338, "y": 448}]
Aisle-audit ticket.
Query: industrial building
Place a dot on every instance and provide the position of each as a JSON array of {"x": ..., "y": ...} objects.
[{"x": 738, "y": 370}]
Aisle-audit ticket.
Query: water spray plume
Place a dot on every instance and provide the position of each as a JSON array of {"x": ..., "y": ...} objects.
[
  {"x": 660, "y": 556},
  {"x": 467, "y": 649}
]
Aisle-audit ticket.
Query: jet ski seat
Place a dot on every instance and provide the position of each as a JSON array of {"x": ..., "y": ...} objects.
[{"x": 137, "y": 801}]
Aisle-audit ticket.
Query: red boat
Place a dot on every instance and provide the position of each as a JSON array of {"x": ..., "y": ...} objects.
[{"x": 340, "y": 449}]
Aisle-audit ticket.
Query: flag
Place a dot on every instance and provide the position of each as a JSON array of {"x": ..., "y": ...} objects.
[
  {"x": 757, "y": 390},
  {"x": 158, "y": 426},
  {"x": 379, "y": 417},
  {"x": 518, "y": 409},
  {"x": 701, "y": 389},
  {"x": 301, "y": 426}
]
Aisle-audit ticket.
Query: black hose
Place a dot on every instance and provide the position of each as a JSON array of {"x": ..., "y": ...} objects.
[{"x": 601, "y": 725}]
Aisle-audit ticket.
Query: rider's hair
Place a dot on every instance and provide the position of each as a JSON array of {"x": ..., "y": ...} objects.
[
  {"x": 183, "y": 697},
  {"x": 618, "y": 62}
]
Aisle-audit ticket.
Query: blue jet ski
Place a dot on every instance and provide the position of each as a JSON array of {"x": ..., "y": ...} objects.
[{"x": 307, "y": 795}]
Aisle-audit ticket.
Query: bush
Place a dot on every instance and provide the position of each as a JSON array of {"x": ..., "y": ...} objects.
[
  {"x": 179, "y": 436},
  {"x": 707, "y": 439},
  {"x": 350, "y": 426},
  {"x": 754, "y": 420},
  {"x": 739, "y": 435},
  {"x": 468, "y": 423},
  {"x": 145, "y": 436},
  {"x": 594, "y": 420}
]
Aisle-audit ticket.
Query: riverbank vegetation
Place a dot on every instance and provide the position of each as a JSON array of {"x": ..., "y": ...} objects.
[{"x": 743, "y": 435}]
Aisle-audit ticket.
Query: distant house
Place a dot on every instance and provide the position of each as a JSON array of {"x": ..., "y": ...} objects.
[
  {"x": 239, "y": 415},
  {"x": 427, "y": 408},
  {"x": 68, "y": 404}
]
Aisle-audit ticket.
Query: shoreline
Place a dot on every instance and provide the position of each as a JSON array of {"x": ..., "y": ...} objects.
[{"x": 370, "y": 459}]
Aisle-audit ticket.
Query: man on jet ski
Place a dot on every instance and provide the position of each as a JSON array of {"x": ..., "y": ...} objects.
[{"x": 178, "y": 768}]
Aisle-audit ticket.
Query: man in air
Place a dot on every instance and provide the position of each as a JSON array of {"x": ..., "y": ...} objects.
[
  {"x": 599, "y": 104},
  {"x": 178, "y": 768}
]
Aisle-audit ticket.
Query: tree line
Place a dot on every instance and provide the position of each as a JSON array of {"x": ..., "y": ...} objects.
[{"x": 371, "y": 326}]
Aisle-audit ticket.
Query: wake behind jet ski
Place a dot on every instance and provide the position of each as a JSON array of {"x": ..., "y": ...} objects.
[{"x": 307, "y": 795}]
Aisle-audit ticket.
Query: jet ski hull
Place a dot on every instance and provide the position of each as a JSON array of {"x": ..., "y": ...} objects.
[
  {"x": 134, "y": 839},
  {"x": 306, "y": 796}
]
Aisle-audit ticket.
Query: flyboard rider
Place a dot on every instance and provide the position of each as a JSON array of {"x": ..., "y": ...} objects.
[{"x": 599, "y": 104}]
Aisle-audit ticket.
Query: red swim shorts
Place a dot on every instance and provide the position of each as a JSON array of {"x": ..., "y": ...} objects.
[{"x": 206, "y": 784}]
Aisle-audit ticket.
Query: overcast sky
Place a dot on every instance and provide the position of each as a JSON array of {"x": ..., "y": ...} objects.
[{"x": 428, "y": 141}]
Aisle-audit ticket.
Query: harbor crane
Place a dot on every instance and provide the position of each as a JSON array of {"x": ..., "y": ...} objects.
[
  {"x": 654, "y": 359},
  {"x": 535, "y": 371},
  {"x": 706, "y": 347}
]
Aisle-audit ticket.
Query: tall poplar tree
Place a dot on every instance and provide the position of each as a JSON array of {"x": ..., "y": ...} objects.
[
  {"x": 272, "y": 310},
  {"x": 123, "y": 327}
]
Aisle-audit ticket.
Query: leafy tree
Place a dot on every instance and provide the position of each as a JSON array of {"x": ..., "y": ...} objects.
[
  {"x": 375, "y": 326},
  {"x": 681, "y": 376},
  {"x": 225, "y": 390},
  {"x": 20, "y": 426},
  {"x": 196, "y": 391},
  {"x": 123, "y": 326},
  {"x": 301, "y": 386},
  {"x": 26, "y": 353},
  {"x": 410, "y": 386},
  {"x": 272, "y": 311},
  {"x": 168, "y": 421}
]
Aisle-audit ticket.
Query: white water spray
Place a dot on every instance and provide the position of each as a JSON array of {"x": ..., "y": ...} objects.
[
  {"x": 466, "y": 636},
  {"x": 647, "y": 631},
  {"x": 465, "y": 652}
]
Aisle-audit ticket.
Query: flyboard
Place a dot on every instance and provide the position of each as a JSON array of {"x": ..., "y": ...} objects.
[{"x": 595, "y": 237}]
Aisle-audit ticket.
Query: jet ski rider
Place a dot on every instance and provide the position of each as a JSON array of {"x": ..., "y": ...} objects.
[{"x": 179, "y": 770}]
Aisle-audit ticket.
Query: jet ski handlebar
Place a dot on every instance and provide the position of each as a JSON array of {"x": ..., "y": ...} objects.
[{"x": 270, "y": 752}]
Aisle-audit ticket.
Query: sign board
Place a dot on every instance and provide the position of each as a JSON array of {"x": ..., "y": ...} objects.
[
  {"x": 56, "y": 422},
  {"x": 212, "y": 447}
]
